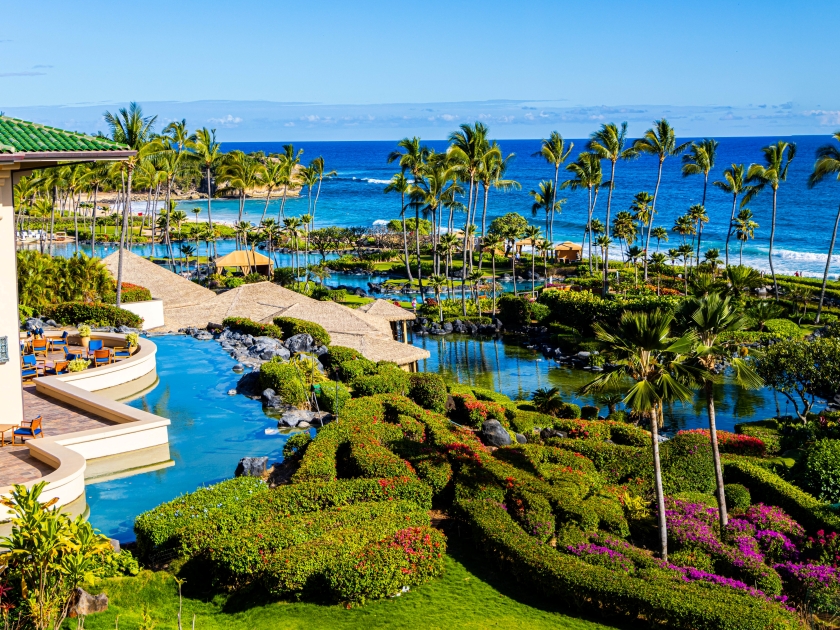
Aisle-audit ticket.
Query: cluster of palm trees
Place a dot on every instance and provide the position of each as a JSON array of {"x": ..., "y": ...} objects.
[{"x": 164, "y": 163}]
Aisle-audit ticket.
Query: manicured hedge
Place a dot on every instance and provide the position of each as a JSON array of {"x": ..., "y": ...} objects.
[
  {"x": 319, "y": 461},
  {"x": 157, "y": 527},
  {"x": 388, "y": 379},
  {"x": 410, "y": 557},
  {"x": 250, "y": 327},
  {"x": 332, "y": 397},
  {"x": 473, "y": 412},
  {"x": 130, "y": 293},
  {"x": 292, "y": 326},
  {"x": 284, "y": 379},
  {"x": 370, "y": 459},
  {"x": 567, "y": 580},
  {"x": 767, "y": 487},
  {"x": 765, "y": 430},
  {"x": 72, "y": 313},
  {"x": 428, "y": 390}
]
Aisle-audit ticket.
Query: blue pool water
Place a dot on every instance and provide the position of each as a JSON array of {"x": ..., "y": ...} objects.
[{"x": 211, "y": 431}]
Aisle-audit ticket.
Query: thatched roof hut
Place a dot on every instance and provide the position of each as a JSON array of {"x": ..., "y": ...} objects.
[
  {"x": 246, "y": 261},
  {"x": 174, "y": 290},
  {"x": 387, "y": 310},
  {"x": 568, "y": 251}
]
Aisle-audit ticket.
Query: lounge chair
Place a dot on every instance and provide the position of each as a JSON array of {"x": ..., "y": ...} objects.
[
  {"x": 59, "y": 342},
  {"x": 40, "y": 346},
  {"x": 58, "y": 367},
  {"x": 71, "y": 355},
  {"x": 28, "y": 429},
  {"x": 102, "y": 357},
  {"x": 29, "y": 366}
]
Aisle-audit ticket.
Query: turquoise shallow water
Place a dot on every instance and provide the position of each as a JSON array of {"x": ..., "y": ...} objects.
[{"x": 211, "y": 431}]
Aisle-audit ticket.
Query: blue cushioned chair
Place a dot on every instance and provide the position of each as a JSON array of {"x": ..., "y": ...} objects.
[
  {"x": 29, "y": 366},
  {"x": 28, "y": 429},
  {"x": 94, "y": 345},
  {"x": 71, "y": 355},
  {"x": 60, "y": 342}
]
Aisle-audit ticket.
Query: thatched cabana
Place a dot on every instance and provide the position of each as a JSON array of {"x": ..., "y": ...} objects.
[
  {"x": 246, "y": 261},
  {"x": 568, "y": 252},
  {"x": 390, "y": 312},
  {"x": 174, "y": 290}
]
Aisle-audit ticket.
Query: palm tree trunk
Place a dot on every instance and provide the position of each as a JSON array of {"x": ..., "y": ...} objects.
[
  {"x": 209, "y": 205},
  {"x": 770, "y": 254},
  {"x": 827, "y": 265},
  {"x": 652, "y": 214},
  {"x": 657, "y": 475},
  {"x": 493, "y": 263},
  {"x": 586, "y": 227},
  {"x": 483, "y": 227},
  {"x": 741, "y": 254},
  {"x": 282, "y": 214},
  {"x": 417, "y": 246},
  {"x": 710, "y": 407},
  {"x": 554, "y": 202},
  {"x": 126, "y": 208},
  {"x": 464, "y": 253},
  {"x": 606, "y": 288},
  {"x": 729, "y": 231},
  {"x": 405, "y": 239},
  {"x": 265, "y": 207},
  {"x": 93, "y": 224},
  {"x": 533, "y": 260}
]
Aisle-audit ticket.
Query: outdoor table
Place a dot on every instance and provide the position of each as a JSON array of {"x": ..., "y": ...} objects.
[{"x": 3, "y": 429}]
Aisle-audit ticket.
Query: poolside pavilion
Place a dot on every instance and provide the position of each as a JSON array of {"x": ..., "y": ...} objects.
[{"x": 24, "y": 147}]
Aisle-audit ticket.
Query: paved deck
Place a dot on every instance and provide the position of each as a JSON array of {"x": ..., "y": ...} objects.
[{"x": 16, "y": 466}]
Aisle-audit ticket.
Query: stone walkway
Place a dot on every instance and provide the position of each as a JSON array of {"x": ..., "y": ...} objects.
[{"x": 16, "y": 465}]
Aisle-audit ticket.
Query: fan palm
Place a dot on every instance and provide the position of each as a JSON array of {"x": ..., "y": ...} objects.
[
  {"x": 712, "y": 258},
  {"x": 657, "y": 264},
  {"x": 554, "y": 151},
  {"x": 608, "y": 143},
  {"x": 587, "y": 174},
  {"x": 714, "y": 316},
  {"x": 547, "y": 400},
  {"x": 437, "y": 282},
  {"x": 827, "y": 164},
  {"x": 777, "y": 159},
  {"x": 634, "y": 255},
  {"x": 644, "y": 351},
  {"x": 700, "y": 160},
  {"x": 735, "y": 183},
  {"x": 661, "y": 141},
  {"x": 399, "y": 184}
]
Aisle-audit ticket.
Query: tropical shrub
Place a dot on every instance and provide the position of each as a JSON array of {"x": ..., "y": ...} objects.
[
  {"x": 292, "y": 326},
  {"x": 296, "y": 445},
  {"x": 70, "y": 313},
  {"x": 737, "y": 496},
  {"x": 736, "y": 443},
  {"x": 821, "y": 470},
  {"x": 409, "y": 557},
  {"x": 332, "y": 397},
  {"x": 250, "y": 327},
  {"x": 284, "y": 379},
  {"x": 687, "y": 464},
  {"x": 388, "y": 379},
  {"x": 588, "y": 412},
  {"x": 765, "y": 430},
  {"x": 473, "y": 412},
  {"x": 783, "y": 328},
  {"x": 44, "y": 280},
  {"x": 428, "y": 390},
  {"x": 130, "y": 293},
  {"x": 514, "y": 311}
]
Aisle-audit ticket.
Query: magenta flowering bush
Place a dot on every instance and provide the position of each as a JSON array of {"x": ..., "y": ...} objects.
[
  {"x": 776, "y": 546},
  {"x": 824, "y": 548},
  {"x": 775, "y": 519},
  {"x": 602, "y": 556},
  {"x": 814, "y": 585}
]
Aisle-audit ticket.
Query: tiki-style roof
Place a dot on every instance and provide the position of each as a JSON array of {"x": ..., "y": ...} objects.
[
  {"x": 387, "y": 311},
  {"x": 242, "y": 258},
  {"x": 19, "y": 137},
  {"x": 566, "y": 245},
  {"x": 378, "y": 349},
  {"x": 174, "y": 290}
]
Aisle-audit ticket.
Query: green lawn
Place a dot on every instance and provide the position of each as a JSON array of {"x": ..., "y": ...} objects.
[{"x": 460, "y": 599}]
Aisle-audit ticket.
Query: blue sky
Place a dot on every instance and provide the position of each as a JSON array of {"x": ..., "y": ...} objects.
[{"x": 370, "y": 70}]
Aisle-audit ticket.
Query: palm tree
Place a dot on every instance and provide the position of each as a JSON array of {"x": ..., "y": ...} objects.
[
  {"x": 827, "y": 164},
  {"x": 207, "y": 154},
  {"x": 467, "y": 149},
  {"x": 712, "y": 317},
  {"x": 474, "y": 279},
  {"x": 545, "y": 199},
  {"x": 735, "y": 183},
  {"x": 306, "y": 220},
  {"x": 273, "y": 177},
  {"x": 544, "y": 248},
  {"x": 777, "y": 158},
  {"x": 547, "y": 400},
  {"x": 95, "y": 176},
  {"x": 317, "y": 166},
  {"x": 608, "y": 144},
  {"x": 291, "y": 226},
  {"x": 308, "y": 178},
  {"x": 196, "y": 212},
  {"x": 697, "y": 215},
  {"x": 554, "y": 152},
  {"x": 604, "y": 242},
  {"x": 634, "y": 255},
  {"x": 493, "y": 243},
  {"x": 686, "y": 253},
  {"x": 492, "y": 174},
  {"x": 412, "y": 159},
  {"x": 587, "y": 174},
  {"x": 660, "y": 140},
  {"x": 128, "y": 126},
  {"x": 510, "y": 234},
  {"x": 660, "y": 234},
  {"x": 657, "y": 263},
  {"x": 290, "y": 160},
  {"x": 399, "y": 184},
  {"x": 700, "y": 160},
  {"x": 644, "y": 351},
  {"x": 712, "y": 258},
  {"x": 188, "y": 250},
  {"x": 533, "y": 233},
  {"x": 643, "y": 212},
  {"x": 436, "y": 281},
  {"x": 240, "y": 172}
]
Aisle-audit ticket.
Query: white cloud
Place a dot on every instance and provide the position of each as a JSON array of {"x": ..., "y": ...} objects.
[
  {"x": 448, "y": 117},
  {"x": 826, "y": 117},
  {"x": 289, "y": 124},
  {"x": 227, "y": 120}
]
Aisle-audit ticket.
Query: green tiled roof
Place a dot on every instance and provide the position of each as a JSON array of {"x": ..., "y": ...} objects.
[{"x": 19, "y": 136}]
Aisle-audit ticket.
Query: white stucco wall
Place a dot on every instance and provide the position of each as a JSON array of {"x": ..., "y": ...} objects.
[
  {"x": 10, "y": 386},
  {"x": 151, "y": 311}
]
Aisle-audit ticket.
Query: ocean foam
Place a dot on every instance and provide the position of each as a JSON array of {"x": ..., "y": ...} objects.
[
  {"x": 371, "y": 180},
  {"x": 380, "y": 222}
]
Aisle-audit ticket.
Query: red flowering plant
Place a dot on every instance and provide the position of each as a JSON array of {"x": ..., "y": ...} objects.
[{"x": 735, "y": 443}]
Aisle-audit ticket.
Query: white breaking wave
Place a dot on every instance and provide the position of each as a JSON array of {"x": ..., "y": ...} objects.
[
  {"x": 371, "y": 180},
  {"x": 380, "y": 222},
  {"x": 787, "y": 254}
]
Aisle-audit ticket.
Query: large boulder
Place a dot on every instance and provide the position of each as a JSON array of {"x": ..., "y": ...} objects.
[
  {"x": 300, "y": 343},
  {"x": 494, "y": 434},
  {"x": 251, "y": 467},
  {"x": 85, "y": 604},
  {"x": 302, "y": 418},
  {"x": 249, "y": 385}
]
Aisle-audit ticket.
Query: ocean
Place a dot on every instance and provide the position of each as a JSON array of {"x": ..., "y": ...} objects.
[{"x": 804, "y": 218}]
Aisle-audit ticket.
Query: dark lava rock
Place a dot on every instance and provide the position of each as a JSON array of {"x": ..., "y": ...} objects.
[
  {"x": 251, "y": 467},
  {"x": 494, "y": 434}
]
